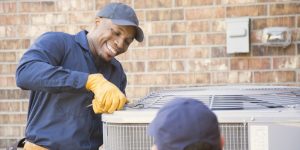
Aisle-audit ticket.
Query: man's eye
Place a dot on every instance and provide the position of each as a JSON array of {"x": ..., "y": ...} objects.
[{"x": 115, "y": 32}]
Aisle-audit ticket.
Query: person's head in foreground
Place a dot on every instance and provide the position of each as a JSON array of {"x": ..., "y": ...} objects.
[{"x": 185, "y": 124}]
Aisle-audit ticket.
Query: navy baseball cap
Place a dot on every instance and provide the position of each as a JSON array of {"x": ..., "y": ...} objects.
[
  {"x": 182, "y": 122},
  {"x": 122, "y": 14}
]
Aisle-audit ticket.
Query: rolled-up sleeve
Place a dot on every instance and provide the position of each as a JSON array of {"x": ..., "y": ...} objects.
[{"x": 40, "y": 70}]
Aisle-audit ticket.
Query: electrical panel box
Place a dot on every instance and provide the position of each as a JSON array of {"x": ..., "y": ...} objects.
[{"x": 237, "y": 35}]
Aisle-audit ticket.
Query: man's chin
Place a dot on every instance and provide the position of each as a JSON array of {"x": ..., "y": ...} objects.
[{"x": 107, "y": 59}]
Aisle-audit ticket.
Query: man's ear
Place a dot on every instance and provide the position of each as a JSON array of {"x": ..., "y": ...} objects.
[{"x": 98, "y": 21}]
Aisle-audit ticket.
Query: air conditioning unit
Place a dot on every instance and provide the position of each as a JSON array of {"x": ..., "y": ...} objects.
[{"x": 251, "y": 117}]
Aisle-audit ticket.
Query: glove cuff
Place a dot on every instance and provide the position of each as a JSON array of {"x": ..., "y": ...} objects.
[{"x": 94, "y": 80}]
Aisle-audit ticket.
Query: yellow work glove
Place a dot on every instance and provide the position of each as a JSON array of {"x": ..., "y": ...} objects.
[{"x": 108, "y": 97}]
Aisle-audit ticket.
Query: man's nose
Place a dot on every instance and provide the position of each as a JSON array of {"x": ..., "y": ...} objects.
[{"x": 119, "y": 43}]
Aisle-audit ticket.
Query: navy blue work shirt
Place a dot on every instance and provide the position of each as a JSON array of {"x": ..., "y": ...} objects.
[{"x": 55, "y": 69}]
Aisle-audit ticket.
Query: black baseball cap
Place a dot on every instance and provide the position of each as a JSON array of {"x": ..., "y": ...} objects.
[{"x": 122, "y": 14}]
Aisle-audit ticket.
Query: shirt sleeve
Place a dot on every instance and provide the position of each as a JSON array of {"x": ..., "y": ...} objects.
[{"x": 40, "y": 70}]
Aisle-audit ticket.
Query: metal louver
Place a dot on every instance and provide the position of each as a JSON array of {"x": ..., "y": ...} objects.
[
  {"x": 228, "y": 97},
  {"x": 250, "y": 117}
]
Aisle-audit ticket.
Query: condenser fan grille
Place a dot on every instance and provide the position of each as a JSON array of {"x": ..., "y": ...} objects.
[
  {"x": 135, "y": 137},
  {"x": 228, "y": 97}
]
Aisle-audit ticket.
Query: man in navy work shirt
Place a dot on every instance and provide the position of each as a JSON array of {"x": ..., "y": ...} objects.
[{"x": 66, "y": 73}]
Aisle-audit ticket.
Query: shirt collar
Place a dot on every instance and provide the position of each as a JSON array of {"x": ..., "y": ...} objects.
[{"x": 81, "y": 39}]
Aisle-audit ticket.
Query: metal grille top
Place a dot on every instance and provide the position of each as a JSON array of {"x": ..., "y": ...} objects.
[{"x": 228, "y": 97}]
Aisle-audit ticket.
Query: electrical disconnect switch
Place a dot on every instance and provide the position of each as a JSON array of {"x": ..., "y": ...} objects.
[{"x": 237, "y": 35}]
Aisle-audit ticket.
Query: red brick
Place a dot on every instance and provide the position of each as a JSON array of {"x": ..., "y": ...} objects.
[
  {"x": 193, "y": 3},
  {"x": 296, "y": 34},
  {"x": 2, "y": 31},
  {"x": 136, "y": 92},
  {"x": 101, "y": 3},
  {"x": 274, "y": 76},
  {"x": 7, "y": 81},
  {"x": 196, "y": 26},
  {"x": 180, "y": 53},
  {"x": 14, "y": 44},
  {"x": 48, "y": 19},
  {"x": 158, "y": 53},
  {"x": 201, "y": 78},
  {"x": 138, "y": 54},
  {"x": 218, "y": 52},
  {"x": 160, "y": 27},
  {"x": 10, "y": 131},
  {"x": 7, "y": 68},
  {"x": 9, "y": 107},
  {"x": 134, "y": 66},
  {"x": 259, "y": 63},
  {"x": 152, "y": 79},
  {"x": 10, "y": 31},
  {"x": 48, "y": 6},
  {"x": 161, "y": 15},
  {"x": 61, "y": 28},
  {"x": 178, "y": 27},
  {"x": 205, "y": 13},
  {"x": 285, "y": 62},
  {"x": 141, "y": 15},
  {"x": 239, "y": 11},
  {"x": 44, "y": 6},
  {"x": 13, "y": 19},
  {"x": 219, "y": 77},
  {"x": 178, "y": 66},
  {"x": 13, "y": 118},
  {"x": 218, "y": 26},
  {"x": 138, "y": 4},
  {"x": 13, "y": 94},
  {"x": 199, "y": 65},
  {"x": 207, "y": 39},
  {"x": 158, "y": 66},
  {"x": 24, "y": 106},
  {"x": 199, "y": 52},
  {"x": 238, "y": 1},
  {"x": 273, "y": 51},
  {"x": 240, "y": 77},
  {"x": 7, "y": 57},
  {"x": 298, "y": 49},
  {"x": 259, "y": 24},
  {"x": 256, "y": 36},
  {"x": 75, "y": 5},
  {"x": 239, "y": 64},
  {"x": 8, "y": 7},
  {"x": 285, "y": 9},
  {"x": 165, "y": 40},
  {"x": 79, "y": 18},
  {"x": 219, "y": 64},
  {"x": 181, "y": 78}
]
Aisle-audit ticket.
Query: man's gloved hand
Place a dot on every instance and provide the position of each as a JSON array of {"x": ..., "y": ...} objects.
[{"x": 108, "y": 97}]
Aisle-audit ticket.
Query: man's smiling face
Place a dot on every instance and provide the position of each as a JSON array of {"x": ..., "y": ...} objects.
[{"x": 108, "y": 40}]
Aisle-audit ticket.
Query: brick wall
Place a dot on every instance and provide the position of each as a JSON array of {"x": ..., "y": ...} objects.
[{"x": 185, "y": 45}]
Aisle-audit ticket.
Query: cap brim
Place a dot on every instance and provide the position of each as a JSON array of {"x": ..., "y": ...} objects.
[{"x": 139, "y": 32}]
